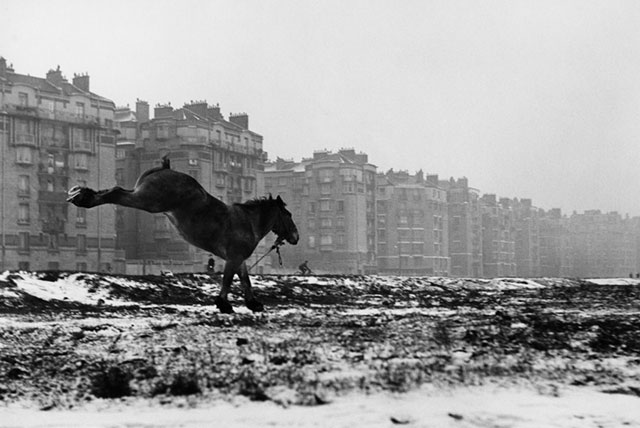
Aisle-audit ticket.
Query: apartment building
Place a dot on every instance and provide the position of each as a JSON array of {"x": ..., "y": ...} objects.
[
  {"x": 54, "y": 134},
  {"x": 332, "y": 199},
  {"x": 601, "y": 245},
  {"x": 527, "y": 238},
  {"x": 498, "y": 237},
  {"x": 465, "y": 228},
  {"x": 412, "y": 224},
  {"x": 223, "y": 154}
]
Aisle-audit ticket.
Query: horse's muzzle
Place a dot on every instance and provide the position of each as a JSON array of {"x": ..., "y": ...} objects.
[{"x": 293, "y": 238}]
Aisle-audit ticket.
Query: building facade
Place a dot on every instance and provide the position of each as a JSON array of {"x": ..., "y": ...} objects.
[
  {"x": 54, "y": 134},
  {"x": 465, "y": 228},
  {"x": 332, "y": 199},
  {"x": 498, "y": 237},
  {"x": 412, "y": 225},
  {"x": 224, "y": 155}
]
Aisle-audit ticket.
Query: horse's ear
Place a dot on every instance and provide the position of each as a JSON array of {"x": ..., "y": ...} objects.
[
  {"x": 270, "y": 197},
  {"x": 280, "y": 201}
]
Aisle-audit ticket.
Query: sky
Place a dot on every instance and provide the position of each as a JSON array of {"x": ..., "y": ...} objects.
[{"x": 529, "y": 99}]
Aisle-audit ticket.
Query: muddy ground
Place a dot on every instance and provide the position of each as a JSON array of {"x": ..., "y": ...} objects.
[{"x": 159, "y": 339}]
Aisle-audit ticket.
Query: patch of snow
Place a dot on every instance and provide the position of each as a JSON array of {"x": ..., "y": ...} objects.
[
  {"x": 614, "y": 281},
  {"x": 429, "y": 407},
  {"x": 65, "y": 288}
]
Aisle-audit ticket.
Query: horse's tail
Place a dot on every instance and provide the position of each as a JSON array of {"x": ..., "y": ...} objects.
[{"x": 166, "y": 163}]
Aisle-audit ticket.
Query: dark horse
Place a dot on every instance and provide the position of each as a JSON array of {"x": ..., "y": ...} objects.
[{"x": 231, "y": 232}]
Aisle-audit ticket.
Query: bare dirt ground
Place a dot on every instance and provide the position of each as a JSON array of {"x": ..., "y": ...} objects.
[{"x": 363, "y": 350}]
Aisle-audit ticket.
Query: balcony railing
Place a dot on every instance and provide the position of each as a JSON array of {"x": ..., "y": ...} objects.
[
  {"x": 25, "y": 140},
  {"x": 82, "y": 146},
  {"x": 55, "y": 225},
  {"x": 52, "y": 197}
]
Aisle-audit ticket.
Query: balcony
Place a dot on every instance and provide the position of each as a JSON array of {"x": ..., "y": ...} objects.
[
  {"x": 54, "y": 225},
  {"x": 54, "y": 143},
  {"x": 82, "y": 146},
  {"x": 28, "y": 140},
  {"x": 52, "y": 197},
  {"x": 52, "y": 170}
]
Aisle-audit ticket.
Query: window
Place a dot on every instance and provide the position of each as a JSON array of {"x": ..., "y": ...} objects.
[
  {"x": 24, "y": 266},
  {"x": 312, "y": 207},
  {"x": 80, "y": 161},
  {"x": 81, "y": 266},
  {"x": 53, "y": 266},
  {"x": 312, "y": 241},
  {"x": 53, "y": 241},
  {"x": 326, "y": 205},
  {"x": 49, "y": 185},
  {"x": 81, "y": 215},
  {"x": 23, "y": 241},
  {"x": 326, "y": 222},
  {"x": 23, "y": 99},
  {"x": 325, "y": 188},
  {"x": 81, "y": 244},
  {"x": 23, "y": 214},
  {"x": 80, "y": 109},
  {"x": 340, "y": 207},
  {"x": 24, "y": 187},
  {"x": 24, "y": 155},
  {"x": 120, "y": 177},
  {"x": 326, "y": 240},
  {"x": 340, "y": 222}
]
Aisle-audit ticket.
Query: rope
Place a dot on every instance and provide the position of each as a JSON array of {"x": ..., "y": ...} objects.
[{"x": 276, "y": 246}]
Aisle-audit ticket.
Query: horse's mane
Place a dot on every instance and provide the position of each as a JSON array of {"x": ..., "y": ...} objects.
[{"x": 259, "y": 202}]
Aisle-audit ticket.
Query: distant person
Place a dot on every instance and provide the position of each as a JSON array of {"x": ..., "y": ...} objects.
[
  {"x": 211, "y": 265},
  {"x": 304, "y": 267}
]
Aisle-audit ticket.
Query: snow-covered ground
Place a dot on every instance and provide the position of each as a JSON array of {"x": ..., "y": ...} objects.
[
  {"x": 571, "y": 361},
  {"x": 479, "y": 407}
]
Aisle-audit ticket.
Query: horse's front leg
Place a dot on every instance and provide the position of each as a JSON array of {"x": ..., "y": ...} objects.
[
  {"x": 222, "y": 302},
  {"x": 249, "y": 299}
]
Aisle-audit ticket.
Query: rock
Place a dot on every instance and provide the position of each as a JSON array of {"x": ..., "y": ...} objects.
[
  {"x": 401, "y": 419},
  {"x": 282, "y": 395}
]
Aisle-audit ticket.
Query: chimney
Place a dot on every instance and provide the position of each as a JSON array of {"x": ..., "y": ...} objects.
[
  {"x": 3, "y": 66},
  {"x": 213, "y": 112},
  {"x": 432, "y": 179},
  {"x": 198, "y": 107},
  {"x": 240, "y": 119},
  {"x": 56, "y": 77},
  {"x": 81, "y": 81},
  {"x": 161, "y": 111},
  {"x": 142, "y": 111}
]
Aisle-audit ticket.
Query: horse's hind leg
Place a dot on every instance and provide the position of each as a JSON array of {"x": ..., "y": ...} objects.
[
  {"x": 138, "y": 198},
  {"x": 249, "y": 299}
]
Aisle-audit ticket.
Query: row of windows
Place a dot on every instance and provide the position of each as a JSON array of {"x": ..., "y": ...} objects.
[
  {"x": 51, "y": 241},
  {"x": 25, "y": 156},
  {"x": 24, "y": 215}
]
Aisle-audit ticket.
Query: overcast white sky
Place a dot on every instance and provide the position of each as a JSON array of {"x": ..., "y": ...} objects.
[{"x": 531, "y": 99}]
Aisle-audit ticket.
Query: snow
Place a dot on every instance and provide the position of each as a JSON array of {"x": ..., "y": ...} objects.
[
  {"x": 486, "y": 406},
  {"x": 614, "y": 281}
]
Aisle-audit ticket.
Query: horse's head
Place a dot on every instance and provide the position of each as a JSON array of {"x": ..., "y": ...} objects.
[{"x": 284, "y": 226}]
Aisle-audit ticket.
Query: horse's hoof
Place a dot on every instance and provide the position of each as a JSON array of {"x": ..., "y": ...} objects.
[
  {"x": 81, "y": 196},
  {"x": 223, "y": 305},
  {"x": 73, "y": 192},
  {"x": 255, "y": 305}
]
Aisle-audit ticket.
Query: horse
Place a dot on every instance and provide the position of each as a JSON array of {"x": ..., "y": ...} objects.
[{"x": 231, "y": 232}]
